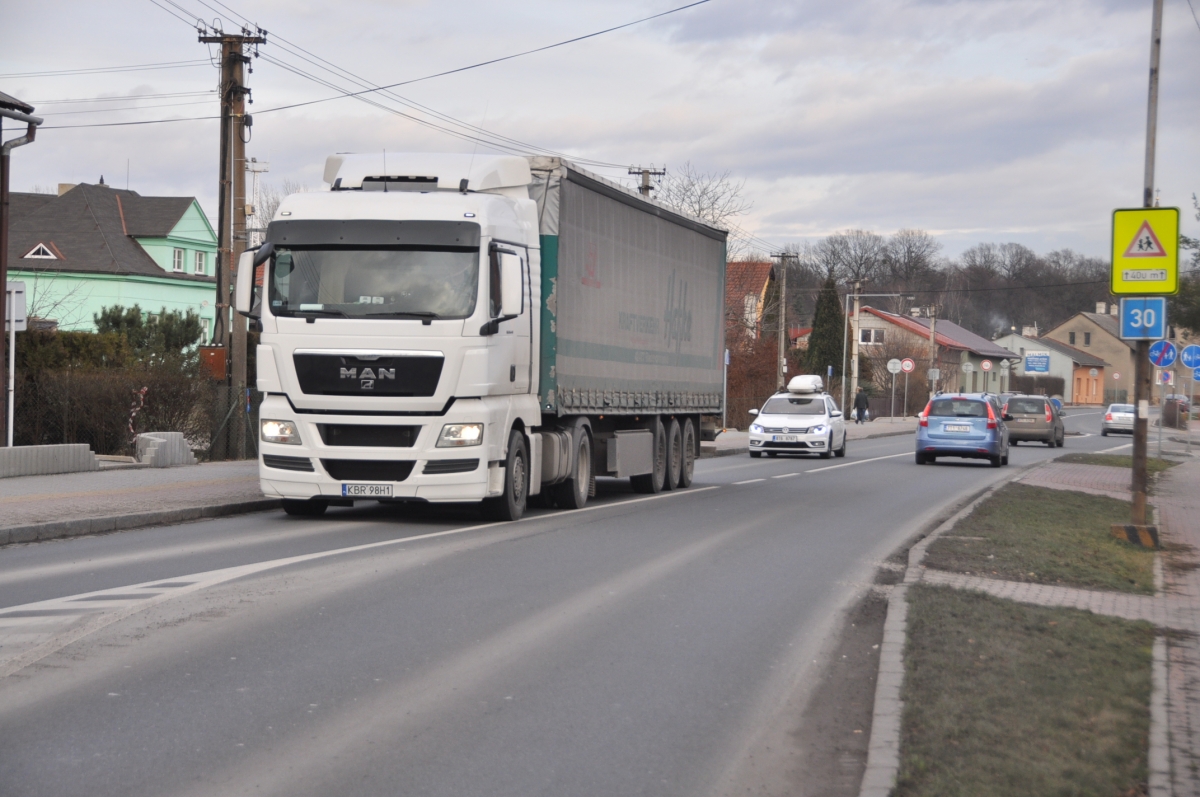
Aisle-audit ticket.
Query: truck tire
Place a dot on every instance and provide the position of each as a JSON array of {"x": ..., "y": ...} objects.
[
  {"x": 653, "y": 482},
  {"x": 674, "y": 455},
  {"x": 510, "y": 505},
  {"x": 689, "y": 454},
  {"x": 313, "y": 507},
  {"x": 573, "y": 493}
]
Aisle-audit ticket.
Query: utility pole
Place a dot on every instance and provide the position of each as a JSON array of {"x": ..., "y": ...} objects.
[
  {"x": 1141, "y": 368},
  {"x": 645, "y": 188},
  {"x": 933, "y": 362},
  {"x": 781, "y": 365},
  {"x": 10, "y": 108},
  {"x": 854, "y": 339},
  {"x": 229, "y": 330}
]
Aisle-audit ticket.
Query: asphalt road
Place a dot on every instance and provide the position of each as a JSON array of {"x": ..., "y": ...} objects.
[{"x": 642, "y": 646}]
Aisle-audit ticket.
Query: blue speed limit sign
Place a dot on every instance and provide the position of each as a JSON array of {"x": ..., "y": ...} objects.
[
  {"x": 1144, "y": 318},
  {"x": 1163, "y": 354}
]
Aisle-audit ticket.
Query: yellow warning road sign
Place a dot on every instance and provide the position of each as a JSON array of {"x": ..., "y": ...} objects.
[{"x": 1145, "y": 251}]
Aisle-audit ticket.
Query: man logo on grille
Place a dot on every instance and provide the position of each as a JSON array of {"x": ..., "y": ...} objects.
[{"x": 366, "y": 378}]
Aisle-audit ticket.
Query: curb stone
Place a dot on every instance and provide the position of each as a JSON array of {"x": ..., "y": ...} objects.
[{"x": 59, "y": 529}]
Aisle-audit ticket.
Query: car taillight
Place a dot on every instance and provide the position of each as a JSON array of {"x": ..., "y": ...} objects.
[
  {"x": 1049, "y": 417},
  {"x": 923, "y": 418},
  {"x": 991, "y": 424},
  {"x": 1108, "y": 417}
]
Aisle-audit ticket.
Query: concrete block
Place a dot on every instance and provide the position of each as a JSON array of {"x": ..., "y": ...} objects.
[
  {"x": 164, "y": 450},
  {"x": 43, "y": 460}
]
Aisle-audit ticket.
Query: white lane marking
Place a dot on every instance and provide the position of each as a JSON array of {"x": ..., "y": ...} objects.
[
  {"x": 859, "y": 462},
  {"x": 785, "y": 475},
  {"x": 748, "y": 481},
  {"x": 1117, "y": 448},
  {"x": 30, "y": 632}
]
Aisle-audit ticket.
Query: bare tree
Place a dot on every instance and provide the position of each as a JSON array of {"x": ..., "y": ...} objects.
[
  {"x": 714, "y": 198},
  {"x": 909, "y": 256},
  {"x": 270, "y": 195}
]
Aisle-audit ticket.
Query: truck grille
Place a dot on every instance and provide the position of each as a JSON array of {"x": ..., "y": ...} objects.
[
  {"x": 288, "y": 463},
  {"x": 368, "y": 470},
  {"x": 349, "y": 434},
  {"x": 342, "y": 375},
  {"x": 436, "y": 466}
]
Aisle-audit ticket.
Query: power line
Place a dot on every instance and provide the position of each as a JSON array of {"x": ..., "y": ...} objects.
[
  {"x": 129, "y": 108},
  {"x": 1193, "y": 8},
  {"x": 108, "y": 69},
  {"x": 122, "y": 98}
]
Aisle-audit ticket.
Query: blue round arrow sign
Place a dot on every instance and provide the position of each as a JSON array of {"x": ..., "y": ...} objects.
[
  {"x": 1190, "y": 356},
  {"x": 1162, "y": 354}
]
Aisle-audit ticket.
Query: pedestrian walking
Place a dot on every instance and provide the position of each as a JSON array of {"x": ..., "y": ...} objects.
[{"x": 860, "y": 406}]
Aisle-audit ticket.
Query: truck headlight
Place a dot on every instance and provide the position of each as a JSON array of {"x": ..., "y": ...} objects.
[
  {"x": 280, "y": 432},
  {"x": 460, "y": 434},
  {"x": 754, "y": 427}
]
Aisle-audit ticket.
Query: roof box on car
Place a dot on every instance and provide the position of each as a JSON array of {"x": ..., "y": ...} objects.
[{"x": 806, "y": 384}]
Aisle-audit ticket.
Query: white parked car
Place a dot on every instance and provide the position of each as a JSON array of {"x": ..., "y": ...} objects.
[
  {"x": 802, "y": 420},
  {"x": 1118, "y": 418}
]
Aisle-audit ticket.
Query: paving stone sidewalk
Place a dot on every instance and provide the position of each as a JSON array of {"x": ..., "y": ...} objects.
[
  {"x": 68, "y": 504},
  {"x": 1092, "y": 479}
]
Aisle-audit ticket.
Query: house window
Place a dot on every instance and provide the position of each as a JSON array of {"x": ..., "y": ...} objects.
[
  {"x": 204, "y": 331},
  {"x": 200, "y": 266},
  {"x": 871, "y": 336},
  {"x": 40, "y": 252},
  {"x": 1071, "y": 338},
  {"x": 1087, "y": 338},
  {"x": 179, "y": 260}
]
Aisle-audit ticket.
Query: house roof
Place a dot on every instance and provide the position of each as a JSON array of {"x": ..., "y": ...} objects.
[
  {"x": 1109, "y": 323},
  {"x": 92, "y": 229},
  {"x": 744, "y": 279},
  {"x": 13, "y": 104},
  {"x": 1079, "y": 357},
  {"x": 948, "y": 334}
]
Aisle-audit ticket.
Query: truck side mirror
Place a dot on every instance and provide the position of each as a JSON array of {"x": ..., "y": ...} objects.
[
  {"x": 244, "y": 295},
  {"x": 511, "y": 285}
]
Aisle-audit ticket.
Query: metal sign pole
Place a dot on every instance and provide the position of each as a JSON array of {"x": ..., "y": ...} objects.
[
  {"x": 12, "y": 360},
  {"x": 892, "y": 413},
  {"x": 906, "y": 394}
]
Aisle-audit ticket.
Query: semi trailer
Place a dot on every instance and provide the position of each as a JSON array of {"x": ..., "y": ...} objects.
[{"x": 450, "y": 328}]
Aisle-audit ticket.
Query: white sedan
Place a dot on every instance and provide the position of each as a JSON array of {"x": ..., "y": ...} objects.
[
  {"x": 1118, "y": 418},
  {"x": 797, "y": 423}
]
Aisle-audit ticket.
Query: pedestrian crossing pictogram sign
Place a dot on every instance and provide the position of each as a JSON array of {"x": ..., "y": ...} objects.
[{"x": 1145, "y": 252}]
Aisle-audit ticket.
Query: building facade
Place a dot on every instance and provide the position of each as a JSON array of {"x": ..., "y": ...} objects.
[
  {"x": 1098, "y": 334},
  {"x": 93, "y": 246},
  {"x": 1082, "y": 373}
]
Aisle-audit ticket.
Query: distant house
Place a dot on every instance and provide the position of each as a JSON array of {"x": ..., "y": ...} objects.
[
  {"x": 1082, "y": 372},
  {"x": 882, "y": 335},
  {"x": 1099, "y": 334},
  {"x": 94, "y": 246},
  {"x": 746, "y": 289},
  {"x": 798, "y": 337}
]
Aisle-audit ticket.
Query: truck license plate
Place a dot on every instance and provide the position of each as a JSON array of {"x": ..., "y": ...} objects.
[
  {"x": 786, "y": 438},
  {"x": 367, "y": 490},
  {"x": 958, "y": 427}
]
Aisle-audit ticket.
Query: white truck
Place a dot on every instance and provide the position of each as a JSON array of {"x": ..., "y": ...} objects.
[{"x": 451, "y": 328}]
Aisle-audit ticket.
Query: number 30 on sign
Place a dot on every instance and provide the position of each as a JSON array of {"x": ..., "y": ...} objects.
[{"x": 1144, "y": 318}]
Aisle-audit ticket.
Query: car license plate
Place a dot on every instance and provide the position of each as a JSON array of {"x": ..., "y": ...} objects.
[
  {"x": 957, "y": 427},
  {"x": 1026, "y": 420},
  {"x": 786, "y": 438},
  {"x": 367, "y": 490}
]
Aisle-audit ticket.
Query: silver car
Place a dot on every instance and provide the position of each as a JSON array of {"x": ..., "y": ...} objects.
[{"x": 1118, "y": 418}]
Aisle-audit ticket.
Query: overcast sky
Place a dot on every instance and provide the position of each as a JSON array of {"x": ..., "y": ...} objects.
[{"x": 976, "y": 120}]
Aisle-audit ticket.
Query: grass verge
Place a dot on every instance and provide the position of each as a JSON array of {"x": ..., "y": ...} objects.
[
  {"x": 1001, "y": 698},
  {"x": 1154, "y": 465},
  {"x": 1043, "y": 536}
]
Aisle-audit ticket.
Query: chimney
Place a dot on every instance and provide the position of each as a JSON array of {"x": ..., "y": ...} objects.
[
  {"x": 1029, "y": 332},
  {"x": 1102, "y": 308},
  {"x": 64, "y": 188},
  {"x": 1114, "y": 310}
]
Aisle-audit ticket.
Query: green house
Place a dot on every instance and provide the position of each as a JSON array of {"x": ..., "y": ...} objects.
[{"x": 95, "y": 246}]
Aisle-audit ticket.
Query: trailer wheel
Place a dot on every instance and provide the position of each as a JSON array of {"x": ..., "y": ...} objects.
[
  {"x": 297, "y": 507},
  {"x": 689, "y": 454},
  {"x": 573, "y": 493},
  {"x": 510, "y": 505},
  {"x": 674, "y": 455},
  {"x": 653, "y": 482}
]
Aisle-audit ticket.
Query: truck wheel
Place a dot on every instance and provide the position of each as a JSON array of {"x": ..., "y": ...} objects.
[
  {"x": 573, "y": 493},
  {"x": 653, "y": 482},
  {"x": 511, "y": 504},
  {"x": 313, "y": 507},
  {"x": 689, "y": 455},
  {"x": 674, "y": 455}
]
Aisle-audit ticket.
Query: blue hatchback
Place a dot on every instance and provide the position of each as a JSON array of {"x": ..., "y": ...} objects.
[{"x": 966, "y": 425}]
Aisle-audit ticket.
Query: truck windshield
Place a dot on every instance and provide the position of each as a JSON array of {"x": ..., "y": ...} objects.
[{"x": 398, "y": 282}]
